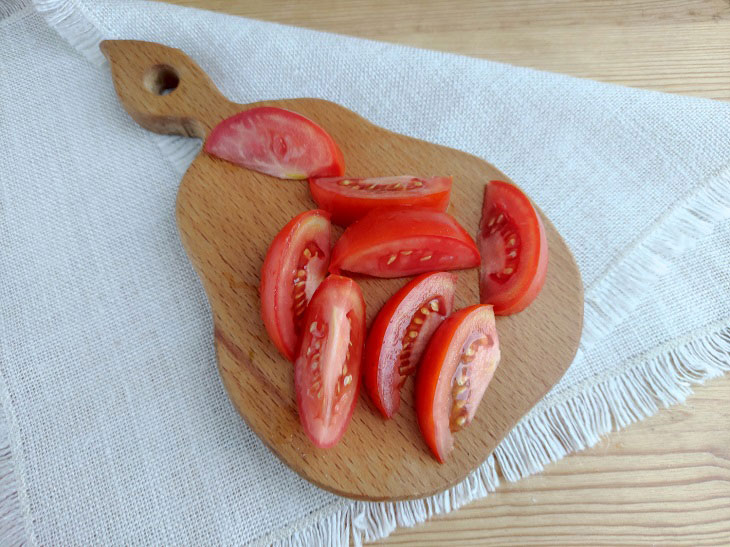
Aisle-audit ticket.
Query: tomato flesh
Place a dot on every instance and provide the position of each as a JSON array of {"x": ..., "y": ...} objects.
[
  {"x": 277, "y": 142},
  {"x": 327, "y": 369},
  {"x": 514, "y": 249},
  {"x": 454, "y": 373},
  {"x": 399, "y": 334},
  {"x": 403, "y": 241},
  {"x": 295, "y": 265},
  {"x": 349, "y": 199}
]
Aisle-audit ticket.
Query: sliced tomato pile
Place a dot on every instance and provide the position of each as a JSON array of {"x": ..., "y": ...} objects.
[
  {"x": 402, "y": 242},
  {"x": 295, "y": 265},
  {"x": 454, "y": 374},
  {"x": 277, "y": 142},
  {"x": 400, "y": 333},
  {"x": 327, "y": 369},
  {"x": 349, "y": 199},
  {"x": 396, "y": 227},
  {"x": 513, "y": 247}
]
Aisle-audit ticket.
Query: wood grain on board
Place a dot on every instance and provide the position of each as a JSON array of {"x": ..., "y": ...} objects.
[
  {"x": 227, "y": 217},
  {"x": 664, "y": 480}
]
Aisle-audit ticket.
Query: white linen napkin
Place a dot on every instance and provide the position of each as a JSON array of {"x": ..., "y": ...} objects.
[{"x": 117, "y": 428}]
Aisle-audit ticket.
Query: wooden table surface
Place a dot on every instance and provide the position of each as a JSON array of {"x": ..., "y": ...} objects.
[{"x": 664, "y": 480}]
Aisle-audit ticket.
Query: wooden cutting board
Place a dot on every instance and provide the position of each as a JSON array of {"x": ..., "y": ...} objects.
[{"x": 228, "y": 215}]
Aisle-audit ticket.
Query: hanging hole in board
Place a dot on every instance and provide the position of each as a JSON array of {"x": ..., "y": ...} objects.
[{"x": 161, "y": 79}]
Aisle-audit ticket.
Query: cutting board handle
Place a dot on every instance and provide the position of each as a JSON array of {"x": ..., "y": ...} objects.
[{"x": 163, "y": 89}]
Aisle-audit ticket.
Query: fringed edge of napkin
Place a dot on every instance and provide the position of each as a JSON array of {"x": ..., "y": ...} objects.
[
  {"x": 12, "y": 525},
  {"x": 621, "y": 290},
  {"x": 665, "y": 378},
  {"x": 370, "y": 521},
  {"x": 662, "y": 379}
]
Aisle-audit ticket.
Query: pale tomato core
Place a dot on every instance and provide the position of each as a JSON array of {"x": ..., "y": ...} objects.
[{"x": 500, "y": 246}]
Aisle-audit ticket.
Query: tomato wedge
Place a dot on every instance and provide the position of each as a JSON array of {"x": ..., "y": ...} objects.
[
  {"x": 403, "y": 241},
  {"x": 327, "y": 370},
  {"x": 514, "y": 249},
  {"x": 400, "y": 333},
  {"x": 277, "y": 142},
  {"x": 295, "y": 265},
  {"x": 454, "y": 373},
  {"x": 349, "y": 199}
]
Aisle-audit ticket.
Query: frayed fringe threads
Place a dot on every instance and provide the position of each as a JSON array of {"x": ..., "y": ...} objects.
[{"x": 622, "y": 290}]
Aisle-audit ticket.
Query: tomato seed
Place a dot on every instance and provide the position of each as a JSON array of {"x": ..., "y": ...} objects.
[
  {"x": 427, "y": 257},
  {"x": 391, "y": 259},
  {"x": 313, "y": 327},
  {"x": 407, "y": 370},
  {"x": 347, "y": 380},
  {"x": 435, "y": 305},
  {"x": 406, "y": 253}
]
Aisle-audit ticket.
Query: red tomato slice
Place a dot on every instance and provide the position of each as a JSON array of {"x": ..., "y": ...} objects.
[
  {"x": 400, "y": 333},
  {"x": 454, "y": 373},
  {"x": 277, "y": 142},
  {"x": 295, "y": 265},
  {"x": 402, "y": 242},
  {"x": 349, "y": 199},
  {"x": 514, "y": 249},
  {"x": 327, "y": 370}
]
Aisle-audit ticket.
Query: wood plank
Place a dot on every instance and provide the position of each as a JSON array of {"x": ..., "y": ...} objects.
[{"x": 674, "y": 46}]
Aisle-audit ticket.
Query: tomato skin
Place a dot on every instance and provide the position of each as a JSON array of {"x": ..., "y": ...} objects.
[
  {"x": 276, "y": 142},
  {"x": 521, "y": 225},
  {"x": 349, "y": 199},
  {"x": 384, "y": 352},
  {"x": 308, "y": 231},
  {"x": 447, "y": 362},
  {"x": 403, "y": 241},
  {"x": 327, "y": 368}
]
